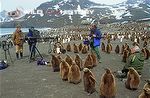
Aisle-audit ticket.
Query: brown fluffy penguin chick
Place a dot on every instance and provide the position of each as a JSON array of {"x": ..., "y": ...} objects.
[
  {"x": 117, "y": 50},
  {"x": 107, "y": 85},
  {"x": 145, "y": 93},
  {"x": 122, "y": 49},
  {"x": 94, "y": 59},
  {"x": 103, "y": 47},
  {"x": 59, "y": 58},
  {"x": 88, "y": 47},
  {"x": 145, "y": 44},
  {"x": 68, "y": 47},
  {"x": 125, "y": 55},
  {"x": 133, "y": 79},
  {"x": 74, "y": 75},
  {"x": 76, "y": 49},
  {"x": 146, "y": 53},
  {"x": 80, "y": 46},
  {"x": 111, "y": 48},
  {"x": 69, "y": 60},
  {"x": 147, "y": 85},
  {"x": 55, "y": 63},
  {"x": 88, "y": 63},
  {"x": 89, "y": 81},
  {"x": 146, "y": 90},
  {"x": 84, "y": 49},
  {"x": 64, "y": 70},
  {"x": 108, "y": 48},
  {"x": 78, "y": 61}
]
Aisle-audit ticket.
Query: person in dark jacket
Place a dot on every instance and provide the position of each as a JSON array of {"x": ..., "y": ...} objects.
[
  {"x": 32, "y": 40},
  {"x": 95, "y": 37}
]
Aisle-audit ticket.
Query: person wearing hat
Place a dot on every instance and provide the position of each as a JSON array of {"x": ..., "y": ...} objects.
[
  {"x": 32, "y": 40},
  {"x": 135, "y": 60},
  {"x": 95, "y": 36},
  {"x": 17, "y": 38}
]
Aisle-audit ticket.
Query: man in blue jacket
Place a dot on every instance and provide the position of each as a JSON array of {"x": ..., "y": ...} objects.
[
  {"x": 32, "y": 40},
  {"x": 95, "y": 36}
]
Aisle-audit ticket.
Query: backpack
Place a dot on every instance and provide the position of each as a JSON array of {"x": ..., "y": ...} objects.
[{"x": 3, "y": 65}]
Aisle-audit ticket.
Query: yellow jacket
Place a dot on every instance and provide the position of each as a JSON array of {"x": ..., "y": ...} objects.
[{"x": 17, "y": 38}]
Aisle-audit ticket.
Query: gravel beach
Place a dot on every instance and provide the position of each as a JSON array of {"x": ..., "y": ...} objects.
[{"x": 27, "y": 80}]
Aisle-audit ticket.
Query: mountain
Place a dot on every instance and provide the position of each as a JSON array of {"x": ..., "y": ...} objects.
[
  {"x": 58, "y": 13},
  {"x": 3, "y": 16}
]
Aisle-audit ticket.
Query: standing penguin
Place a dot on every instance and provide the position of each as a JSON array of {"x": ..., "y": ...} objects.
[
  {"x": 122, "y": 49},
  {"x": 146, "y": 90},
  {"x": 107, "y": 85},
  {"x": 146, "y": 53},
  {"x": 76, "y": 48},
  {"x": 103, "y": 47},
  {"x": 84, "y": 49},
  {"x": 59, "y": 58},
  {"x": 80, "y": 46},
  {"x": 94, "y": 59},
  {"x": 117, "y": 50},
  {"x": 55, "y": 63},
  {"x": 125, "y": 55},
  {"x": 145, "y": 43},
  {"x": 78, "y": 61},
  {"x": 68, "y": 47},
  {"x": 147, "y": 85},
  {"x": 64, "y": 70},
  {"x": 69, "y": 60},
  {"x": 133, "y": 79},
  {"x": 89, "y": 81},
  {"x": 145, "y": 93},
  {"x": 88, "y": 63},
  {"x": 108, "y": 48},
  {"x": 74, "y": 75}
]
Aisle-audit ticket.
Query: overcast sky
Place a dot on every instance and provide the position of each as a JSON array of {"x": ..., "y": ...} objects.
[{"x": 31, "y": 4}]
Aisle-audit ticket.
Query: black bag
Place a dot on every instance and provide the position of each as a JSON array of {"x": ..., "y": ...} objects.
[{"x": 3, "y": 65}]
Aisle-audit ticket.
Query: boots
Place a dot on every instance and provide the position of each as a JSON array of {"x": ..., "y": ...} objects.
[
  {"x": 21, "y": 55},
  {"x": 17, "y": 55}
]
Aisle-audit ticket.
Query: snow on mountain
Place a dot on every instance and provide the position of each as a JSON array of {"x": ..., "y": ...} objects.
[{"x": 69, "y": 11}]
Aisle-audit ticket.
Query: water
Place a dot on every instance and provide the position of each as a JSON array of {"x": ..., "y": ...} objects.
[{"x": 4, "y": 31}]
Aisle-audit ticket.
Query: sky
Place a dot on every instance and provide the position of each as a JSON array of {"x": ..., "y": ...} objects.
[{"x": 28, "y": 5}]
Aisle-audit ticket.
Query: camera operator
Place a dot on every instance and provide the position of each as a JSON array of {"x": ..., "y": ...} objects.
[
  {"x": 17, "y": 38},
  {"x": 32, "y": 40}
]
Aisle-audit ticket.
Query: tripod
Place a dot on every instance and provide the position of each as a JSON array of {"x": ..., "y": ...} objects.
[
  {"x": 50, "y": 43},
  {"x": 5, "y": 47},
  {"x": 33, "y": 50}
]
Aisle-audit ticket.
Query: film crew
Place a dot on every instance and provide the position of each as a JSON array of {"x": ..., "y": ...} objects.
[
  {"x": 17, "y": 38},
  {"x": 32, "y": 40}
]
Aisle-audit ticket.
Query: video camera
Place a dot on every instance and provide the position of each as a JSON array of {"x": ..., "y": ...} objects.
[{"x": 5, "y": 45}]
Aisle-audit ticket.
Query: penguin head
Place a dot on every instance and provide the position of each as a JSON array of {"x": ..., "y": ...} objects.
[
  {"x": 147, "y": 91},
  {"x": 108, "y": 70},
  {"x": 85, "y": 70},
  {"x": 131, "y": 68},
  {"x": 148, "y": 81}
]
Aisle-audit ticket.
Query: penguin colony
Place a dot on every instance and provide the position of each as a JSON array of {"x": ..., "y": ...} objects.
[{"x": 70, "y": 69}]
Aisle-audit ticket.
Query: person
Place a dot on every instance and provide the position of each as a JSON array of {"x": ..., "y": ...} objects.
[
  {"x": 32, "y": 40},
  {"x": 95, "y": 37},
  {"x": 135, "y": 60},
  {"x": 17, "y": 39}
]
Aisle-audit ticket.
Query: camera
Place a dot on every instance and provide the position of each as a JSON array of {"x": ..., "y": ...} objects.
[{"x": 5, "y": 45}]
